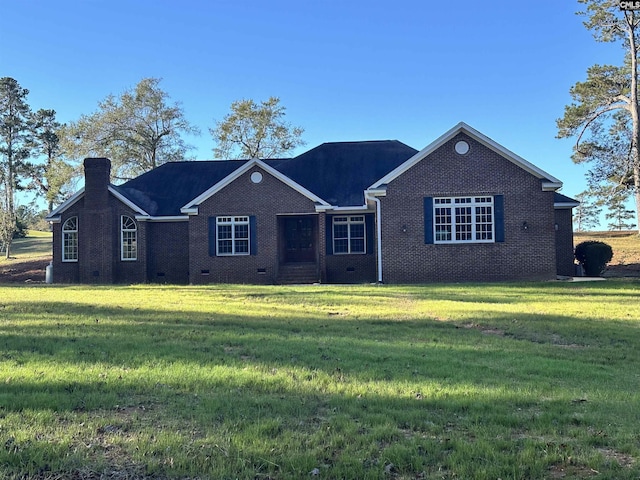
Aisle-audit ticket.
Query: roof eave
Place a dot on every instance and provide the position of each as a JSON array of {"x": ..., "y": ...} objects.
[
  {"x": 55, "y": 213},
  {"x": 127, "y": 202},
  {"x": 565, "y": 205},
  {"x": 551, "y": 186}
]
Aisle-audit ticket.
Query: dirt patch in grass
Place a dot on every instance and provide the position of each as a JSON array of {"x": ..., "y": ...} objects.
[{"x": 31, "y": 270}]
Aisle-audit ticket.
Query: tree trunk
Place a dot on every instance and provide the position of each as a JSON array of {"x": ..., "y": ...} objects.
[{"x": 634, "y": 108}]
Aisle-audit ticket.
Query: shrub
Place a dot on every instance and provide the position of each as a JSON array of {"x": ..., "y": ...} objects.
[{"x": 593, "y": 256}]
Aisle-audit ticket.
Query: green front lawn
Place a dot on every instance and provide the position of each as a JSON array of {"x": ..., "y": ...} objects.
[{"x": 511, "y": 381}]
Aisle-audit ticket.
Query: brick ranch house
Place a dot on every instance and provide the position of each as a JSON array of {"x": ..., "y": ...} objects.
[{"x": 462, "y": 209}]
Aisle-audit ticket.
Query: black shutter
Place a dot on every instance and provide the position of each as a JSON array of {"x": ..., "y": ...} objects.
[
  {"x": 328, "y": 234},
  {"x": 213, "y": 230},
  {"x": 253, "y": 236},
  {"x": 498, "y": 217},
  {"x": 369, "y": 224},
  {"x": 428, "y": 220}
]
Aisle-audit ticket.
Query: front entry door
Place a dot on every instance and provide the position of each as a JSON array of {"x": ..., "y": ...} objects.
[{"x": 299, "y": 239}]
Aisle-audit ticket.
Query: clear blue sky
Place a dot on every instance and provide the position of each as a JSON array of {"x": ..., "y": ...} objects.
[{"x": 345, "y": 69}]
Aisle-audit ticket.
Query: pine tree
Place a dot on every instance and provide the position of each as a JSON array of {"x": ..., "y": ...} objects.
[
  {"x": 14, "y": 152},
  {"x": 619, "y": 213}
]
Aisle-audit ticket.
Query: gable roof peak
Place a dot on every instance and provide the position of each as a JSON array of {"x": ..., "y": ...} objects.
[{"x": 549, "y": 182}]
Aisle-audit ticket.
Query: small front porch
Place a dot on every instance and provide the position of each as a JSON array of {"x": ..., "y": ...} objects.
[{"x": 298, "y": 249}]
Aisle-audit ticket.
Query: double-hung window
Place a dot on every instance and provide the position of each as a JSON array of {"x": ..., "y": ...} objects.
[
  {"x": 70, "y": 240},
  {"x": 349, "y": 234},
  {"x": 232, "y": 234},
  {"x": 128, "y": 239},
  {"x": 464, "y": 220}
]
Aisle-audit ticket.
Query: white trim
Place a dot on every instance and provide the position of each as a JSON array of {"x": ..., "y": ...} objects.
[
  {"x": 349, "y": 221},
  {"x": 78, "y": 195},
  {"x": 232, "y": 221},
  {"x": 563, "y": 205},
  {"x": 376, "y": 192},
  {"x": 122, "y": 232},
  {"x": 378, "y": 212},
  {"x": 64, "y": 205},
  {"x": 551, "y": 186},
  {"x": 191, "y": 207},
  {"x": 68, "y": 232},
  {"x": 168, "y": 218},
  {"x": 472, "y": 204},
  {"x": 550, "y": 182},
  {"x": 126, "y": 201}
]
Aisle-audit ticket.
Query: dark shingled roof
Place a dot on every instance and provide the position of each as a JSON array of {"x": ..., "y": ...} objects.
[
  {"x": 164, "y": 190},
  {"x": 340, "y": 172},
  {"x": 336, "y": 172},
  {"x": 559, "y": 198}
]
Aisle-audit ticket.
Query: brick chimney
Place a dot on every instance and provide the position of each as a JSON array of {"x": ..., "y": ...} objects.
[
  {"x": 97, "y": 172},
  {"x": 98, "y": 226}
]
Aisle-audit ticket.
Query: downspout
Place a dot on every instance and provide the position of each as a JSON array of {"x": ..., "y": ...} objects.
[{"x": 378, "y": 234}]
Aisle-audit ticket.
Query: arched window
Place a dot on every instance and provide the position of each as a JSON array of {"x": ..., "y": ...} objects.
[
  {"x": 70, "y": 240},
  {"x": 128, "y": 239}
]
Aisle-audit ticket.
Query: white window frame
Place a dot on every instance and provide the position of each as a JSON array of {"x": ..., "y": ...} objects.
[
  {"x": 128, "y": 239},
  {"x": 349, "y": 221},
  {"x": 236, "y": 224},
  {"x": 70, "y": 240},
  {"x": 475, "y": 225}
]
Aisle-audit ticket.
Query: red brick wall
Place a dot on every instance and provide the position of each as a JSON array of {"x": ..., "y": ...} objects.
[
  {"x": 65, "y": 272},
  {"x": 525, "y": 254},
  {"x": 243, "y": 198},
  {"x": 564, "y": 242},
  {"x": 99, "y": 246},
  {"x": 351, "y": 268},
  {"x": 168, "y": 260}
]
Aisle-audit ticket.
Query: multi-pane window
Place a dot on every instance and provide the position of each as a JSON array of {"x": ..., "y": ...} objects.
[
  {"x": 349, "y": 234},
  {"x": 463, "y": 219},
  {"x": 232, "y": 235},
  {"x": 70, "y": 240},
  {"x": 128, "y": 239}
]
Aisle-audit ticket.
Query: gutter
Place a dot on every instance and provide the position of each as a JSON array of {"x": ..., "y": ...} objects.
[{"x": 378, "y": 233}]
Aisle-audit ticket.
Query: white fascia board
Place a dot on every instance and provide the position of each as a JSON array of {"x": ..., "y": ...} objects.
[
  {"x": 550, "y": 181},
  {"x": 64, "y": 206},
  {"x": 376, "y": 192},
  {"x": 189, "y": 207},
  {"x": 323, "y": 208},
  {"x": 168, "y": 218},
  {"x": 127, "y": 202},
  {"x": 551, "y": 186},
  {"x": 358, "y": 209},
  {"x": 76, "y": 196},
  {"x": 564, "y": 205}
]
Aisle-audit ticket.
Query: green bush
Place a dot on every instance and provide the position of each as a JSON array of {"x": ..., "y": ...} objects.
[{"x": 593, "y": 256}]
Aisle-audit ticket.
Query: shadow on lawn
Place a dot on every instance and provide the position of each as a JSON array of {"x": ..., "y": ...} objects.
[
  {"x": 236, "y": 388},
  {"x": 115, "y": 344}
]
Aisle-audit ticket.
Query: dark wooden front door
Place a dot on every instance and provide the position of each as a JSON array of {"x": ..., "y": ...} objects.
[{"x": 299, "y": 240}]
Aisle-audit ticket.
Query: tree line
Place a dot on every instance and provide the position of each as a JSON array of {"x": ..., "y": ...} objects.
[
  {"x": 138, "y": 130},
  {"x": 604, "y": 119}
]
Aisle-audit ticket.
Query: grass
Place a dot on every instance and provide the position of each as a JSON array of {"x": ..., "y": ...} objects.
[
  {"x": 511, "y": 381},
  {"x": 35, "y": 245}
]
